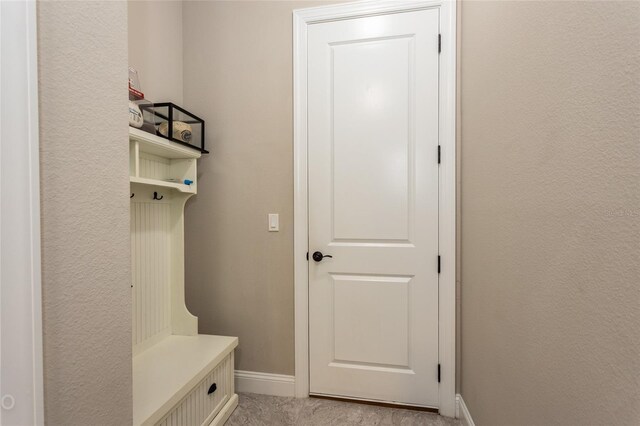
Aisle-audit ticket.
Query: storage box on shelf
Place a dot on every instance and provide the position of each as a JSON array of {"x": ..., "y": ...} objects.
[
  {"x": 181, "y": 378},
  {"x": 176, "y": 124}
]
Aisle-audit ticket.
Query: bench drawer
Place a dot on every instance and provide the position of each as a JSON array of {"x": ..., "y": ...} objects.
[{"x": 199, "y": 407}]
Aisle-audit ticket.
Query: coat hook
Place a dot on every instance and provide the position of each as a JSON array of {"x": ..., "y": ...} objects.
[
  {"x": 132, "y": 194},
  {"x": 155, "y": 196}
]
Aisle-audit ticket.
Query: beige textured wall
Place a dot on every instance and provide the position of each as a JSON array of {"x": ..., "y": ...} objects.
[
  {"x": 155, "y": 48},
  {"x": 238, "y": 77},
  {"x": 551, "y": 212},
  {"x": 549, "y": 201},
  {"x": 86, "y": 274}
]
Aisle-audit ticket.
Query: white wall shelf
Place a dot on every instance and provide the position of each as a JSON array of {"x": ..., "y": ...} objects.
[
  {"x": 165, "y": 184},
  {"x": 156, "y": 145},
  {"x": 159, "y": 162}
]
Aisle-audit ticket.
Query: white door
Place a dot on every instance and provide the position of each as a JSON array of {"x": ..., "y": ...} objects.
[{"x": 373, "y": 206}]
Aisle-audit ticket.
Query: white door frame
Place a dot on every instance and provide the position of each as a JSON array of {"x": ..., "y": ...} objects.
[
  {"x": 447, "y": 186},
  {"x": 21, "y": 399}
]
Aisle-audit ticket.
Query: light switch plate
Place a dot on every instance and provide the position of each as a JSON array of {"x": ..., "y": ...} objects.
[{"x": 274, "y": 222}]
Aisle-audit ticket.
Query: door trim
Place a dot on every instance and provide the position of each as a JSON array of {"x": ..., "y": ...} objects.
[
  {"x": 447, "y": 185},
  {"x": 22, "y": 400}
]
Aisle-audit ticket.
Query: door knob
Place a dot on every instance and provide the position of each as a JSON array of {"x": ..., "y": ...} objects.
[{"x": 318, "y": 256}]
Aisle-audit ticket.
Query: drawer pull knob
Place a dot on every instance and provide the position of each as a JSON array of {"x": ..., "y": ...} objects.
[{"x": 212, "y": 389}]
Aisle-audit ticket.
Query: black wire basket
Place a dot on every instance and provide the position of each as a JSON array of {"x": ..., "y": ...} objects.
[{"x": 176, "y": 124}]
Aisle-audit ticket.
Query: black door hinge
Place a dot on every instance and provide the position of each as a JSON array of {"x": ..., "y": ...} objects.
[
  {"x": 438, "y": 373},
  {"x": 438, "y": 264},
  {"x": 439, "y": 43},
  {"x": 439, "y": 154},
  {"x": 307, "y": 256}
]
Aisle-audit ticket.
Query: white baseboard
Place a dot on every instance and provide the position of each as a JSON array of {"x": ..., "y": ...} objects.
[
  {"x": 265, "y": 383},
  {"x": 462, "y": 412}
]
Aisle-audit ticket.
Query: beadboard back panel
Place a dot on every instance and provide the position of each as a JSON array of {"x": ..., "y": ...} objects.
[
  {"x": 150, "y": 261},
  {"x": 154, "y": 166}
]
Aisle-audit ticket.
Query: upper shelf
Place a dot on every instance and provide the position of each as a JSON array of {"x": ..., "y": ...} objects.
[
  {"x": 190, "y": 189},
  {"x": 162, "y": 147},
  {"x": 160, "y": 162}
]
